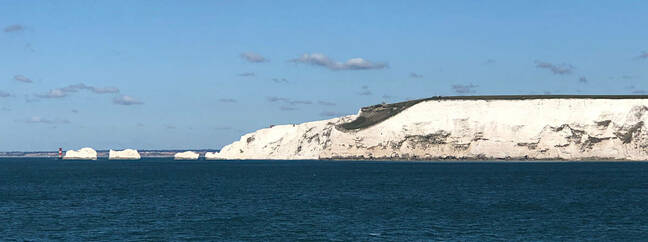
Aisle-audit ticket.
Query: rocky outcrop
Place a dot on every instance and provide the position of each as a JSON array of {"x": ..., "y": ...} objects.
[
  {"x": 187, "y": 155},
  {"x": 82, "y": 154},
  {"x": 505, "y": 127},
  {"x": 127, "y": 154}
]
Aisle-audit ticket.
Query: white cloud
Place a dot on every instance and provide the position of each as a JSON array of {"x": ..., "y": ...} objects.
[
  {"x": 22, "y": 78},
  {"x": 98, "y": 90},
  {"x": 463, "y": 89},
  {"x": 557, "y": 69},
  {"x": 126, "y": 100},
  {"x": 325, "y": 103},
  {"x": 643, "y": 55},
  {"x": 227, "y": 100},
  {"x": 14, "y": 28},
  {"x": 322, "y": 60},
  {"x": 41, "y": 120},
  {"x": 253, "y": 57},
  {"x": 247, "y": 74},
  {"x": 54, "y": 93},
  {"x": 63, "y": 92}
]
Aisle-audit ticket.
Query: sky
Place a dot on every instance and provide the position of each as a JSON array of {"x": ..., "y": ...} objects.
[{"x": 199, "y": 74}]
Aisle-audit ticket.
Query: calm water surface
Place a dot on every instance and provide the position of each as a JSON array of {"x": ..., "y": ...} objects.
[{"x": 159, "y": 199}]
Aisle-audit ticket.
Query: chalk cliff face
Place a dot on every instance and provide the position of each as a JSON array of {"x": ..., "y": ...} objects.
[
  {"x": 82, "y": 154},
  {"x": 187, "y": 155},
  {"x": 497, "y": 128},
  {"x": 127, "y": 154}
]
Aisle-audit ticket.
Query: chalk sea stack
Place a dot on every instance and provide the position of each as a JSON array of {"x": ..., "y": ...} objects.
[
  {"x": 543, "y": 127},
  {"x": 127, "y": 154},
  {"x": 212, "y": 156},
  {"x": 81, "y": 154},
  {"x": 187, "y": 155}
]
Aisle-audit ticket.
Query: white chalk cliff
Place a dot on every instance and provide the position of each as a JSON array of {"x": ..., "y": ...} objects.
[
  {"x": 127, "y": 154},
  {"x": 187, "y": 155},
  {"x": 496, "y": 127},
  {"x": 82, "y": 154}
]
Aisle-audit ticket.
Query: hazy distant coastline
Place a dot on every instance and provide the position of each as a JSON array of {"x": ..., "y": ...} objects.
[{"x": 100, "y": 153}]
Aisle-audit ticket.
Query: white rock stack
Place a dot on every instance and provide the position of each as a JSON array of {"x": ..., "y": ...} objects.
[
  {"x": 127, "y": 154},
  {"x": 82, "y": 154},
  {"x": 537, "y": 128},
  {"x": 187, "y": 155},
  {"x": 213, "y": 156}
]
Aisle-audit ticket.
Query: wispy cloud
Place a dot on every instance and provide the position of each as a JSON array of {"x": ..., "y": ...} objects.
[
  {"x": 287, "y": 101},
  {"x": 5, "y": 94},
  {"x": 41, "y": 120},
  {"x": 556, "y": 69},
  {"x": 247, "y": 74},
  {"x": 22, "y": 78},
  {"x": 97, "y": 90},
  {"x": 14, "y": 28},
  {"x": 227, "y": 100},
  {"x": 295, "y": 102},
  {"x": 365, "y": 91},
  {"x": 54, "y": 93},
  {"x": 624, "y": 77},
  {"x": 389, "y": 97},
  {"x": 63, "y": 92},
  {"x": 322, "y": 60},
  {"x": 489, "y": 62},
  {"x": 325, "y": 103},
  {"x": 331, "y": 114},
  {"x": 627, "y": 77},
  {"x": 29, "y": 99},
  {"x": 414, "y": 75},
  {"x": 582, "y": 79},
  {"x": 277, "y": 99},
  {"x": 253, "y": 57},
  {"x": 288, "y": 108},
  {"x": 126, "y": 100},
  {"x": 464, "y": 89},
  {"x": 102, "y": 90},
  {"x": 280, "y": 80}
]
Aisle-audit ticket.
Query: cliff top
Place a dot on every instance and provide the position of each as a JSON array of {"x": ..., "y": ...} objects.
[{"x": 377, "y": 113}]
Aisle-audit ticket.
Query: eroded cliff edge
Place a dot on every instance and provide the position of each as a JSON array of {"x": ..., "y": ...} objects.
[{"x": 491, "y": 127}]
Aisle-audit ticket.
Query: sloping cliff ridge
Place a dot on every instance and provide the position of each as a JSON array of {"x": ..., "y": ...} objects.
[{"x": 491, "y": 127}]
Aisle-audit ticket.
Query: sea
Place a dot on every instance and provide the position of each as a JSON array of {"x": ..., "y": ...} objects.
[{"x": 162, "y": 200}]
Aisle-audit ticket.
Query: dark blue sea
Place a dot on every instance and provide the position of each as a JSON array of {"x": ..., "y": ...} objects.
[{"x": 162, "y": 199}]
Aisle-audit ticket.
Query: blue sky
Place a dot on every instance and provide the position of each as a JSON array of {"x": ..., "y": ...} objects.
[{"x": 199, "y": 74}]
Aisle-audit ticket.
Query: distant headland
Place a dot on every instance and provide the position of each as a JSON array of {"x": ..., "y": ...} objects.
[
  {"x": 505, "y": 127},
  {"x": 101, "y": 154}
]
